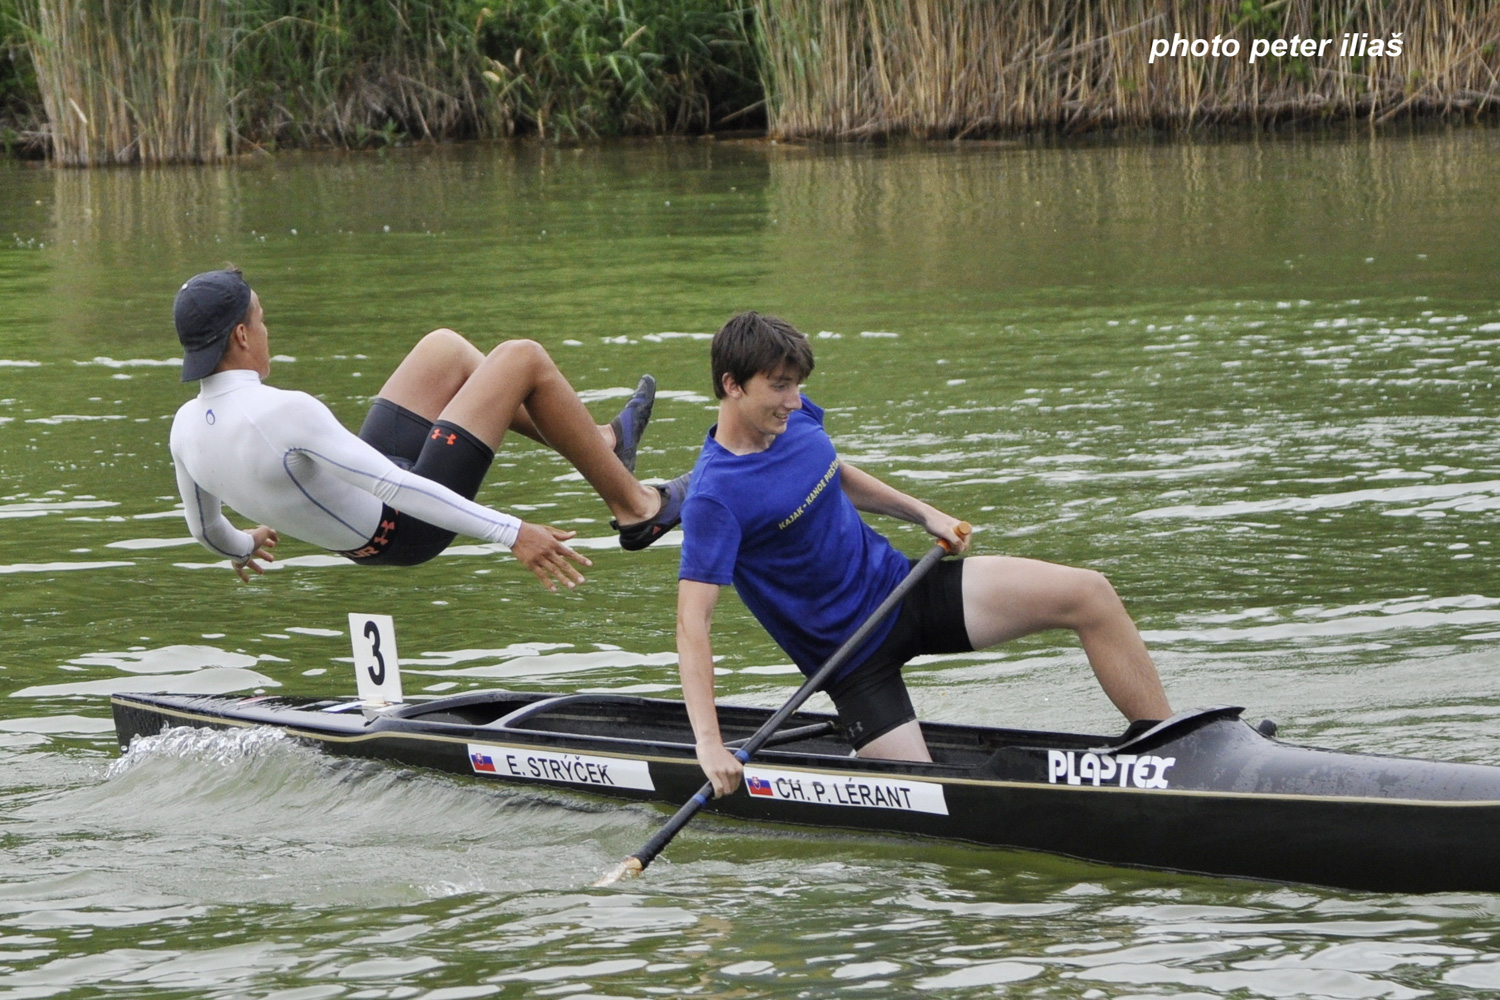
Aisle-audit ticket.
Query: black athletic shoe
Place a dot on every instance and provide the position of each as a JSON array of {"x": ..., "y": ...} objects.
[
  {"x": 634, "y": 537},
  {"x": 631, "y": 422}
]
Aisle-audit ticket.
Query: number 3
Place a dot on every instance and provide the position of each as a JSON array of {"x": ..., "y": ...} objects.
[
  {"x": 377, "y": 667},
  {"x": 377, "y": 672}
]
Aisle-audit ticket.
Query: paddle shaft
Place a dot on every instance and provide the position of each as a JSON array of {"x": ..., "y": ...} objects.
[{"x": 690, "y": 808}]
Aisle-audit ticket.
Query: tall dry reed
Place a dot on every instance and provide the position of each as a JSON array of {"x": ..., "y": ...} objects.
[
  {"x": 132, "y": 82},
  {"x": 151, "y": 81},
  {"x": 935, "y": 68},
  {"x": 181, "y": 81}
]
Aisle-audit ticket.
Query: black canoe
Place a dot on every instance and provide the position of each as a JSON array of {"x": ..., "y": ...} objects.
[{"x": 1201, "y": 792}]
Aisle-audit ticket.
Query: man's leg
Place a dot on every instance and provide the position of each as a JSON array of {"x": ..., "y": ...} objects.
[
  {"x": 1006, "y": 598},
  {"x": 905, "y": 742},
  {"x": 431, "y": 374},
  {"x": 516, "y": 387}
]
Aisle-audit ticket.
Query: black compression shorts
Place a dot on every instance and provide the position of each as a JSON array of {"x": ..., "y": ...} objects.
[
  {"x": 872, "y": 700},
  {"x": 442, "y": 452}
]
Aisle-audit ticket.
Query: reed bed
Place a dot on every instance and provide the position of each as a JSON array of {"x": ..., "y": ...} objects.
[
  {"x": 949, "y": 68},
  {"x": 325, "y": 72},
  {"x": 165, "y": 81},
  {"x": 583, "y": 68},
  {"x": 155, "y": 81},
  {"x": 21, "y": 116},
  {"x": 127, "y": 82}
]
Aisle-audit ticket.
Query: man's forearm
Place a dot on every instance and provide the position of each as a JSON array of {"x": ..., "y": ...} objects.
[
  {"x": 695, "y": 665},
  {"x": 208, "y": 525},
  {"x": 874, "y": 496}
]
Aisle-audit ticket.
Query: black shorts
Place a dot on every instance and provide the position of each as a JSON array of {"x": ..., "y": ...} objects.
[
  {"x": 872, "y": 700},
  {"x": 442, "y": 452}
]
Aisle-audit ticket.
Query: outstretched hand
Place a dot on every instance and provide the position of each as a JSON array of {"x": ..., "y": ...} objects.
[
  {"x": 540, "y": 548},
  {"x": 264, "y": 539}
]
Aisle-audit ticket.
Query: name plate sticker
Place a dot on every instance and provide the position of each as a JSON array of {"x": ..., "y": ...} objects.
[
  {"x": 862, "y": 791},
  {"x": 531, "y": 764}
]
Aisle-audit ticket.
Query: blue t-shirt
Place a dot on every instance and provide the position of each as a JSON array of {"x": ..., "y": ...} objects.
[{"x": 777, "y": 525}]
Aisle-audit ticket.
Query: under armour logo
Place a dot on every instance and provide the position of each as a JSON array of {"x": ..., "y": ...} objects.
[{"x": 437, "y": 435}]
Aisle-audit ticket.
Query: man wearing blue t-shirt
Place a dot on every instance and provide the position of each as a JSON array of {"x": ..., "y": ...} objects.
[{"x": 772, "y": 511}]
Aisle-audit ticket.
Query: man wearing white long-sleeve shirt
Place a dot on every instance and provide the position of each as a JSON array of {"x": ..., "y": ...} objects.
[{"x": 401, "y": 490}]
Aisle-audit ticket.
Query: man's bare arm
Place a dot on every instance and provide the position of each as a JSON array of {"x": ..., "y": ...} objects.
[
  {"x": 695, "y": 664},
  {"x": 874, "y": 496}
]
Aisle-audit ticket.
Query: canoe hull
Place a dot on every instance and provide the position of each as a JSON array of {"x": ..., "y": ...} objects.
[{"x": 1202, "y": 793}]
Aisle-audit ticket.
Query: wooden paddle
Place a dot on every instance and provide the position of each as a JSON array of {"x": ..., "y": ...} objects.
[{"x": 637, "y": 862}]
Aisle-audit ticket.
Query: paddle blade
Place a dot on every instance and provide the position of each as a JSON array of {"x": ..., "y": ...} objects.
[{"x": 629, "y": 868}]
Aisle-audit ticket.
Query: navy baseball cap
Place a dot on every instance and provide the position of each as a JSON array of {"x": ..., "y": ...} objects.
[{"x": 207, "y": 308}]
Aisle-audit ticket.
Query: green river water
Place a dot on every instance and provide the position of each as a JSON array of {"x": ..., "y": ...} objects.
[{"x": 1253, "y": 380}]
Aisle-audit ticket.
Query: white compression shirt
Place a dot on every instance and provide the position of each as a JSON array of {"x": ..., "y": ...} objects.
[{"x": 283, "y": 459}]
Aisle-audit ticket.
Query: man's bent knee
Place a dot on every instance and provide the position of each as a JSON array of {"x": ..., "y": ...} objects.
[
  {"x": 444, "y": 337},
  {"x": 1093, "y": 595},
  {"x": 449, "y": 347},
  {"x": 432, "y": 371},
  {"x": 520, "y": 348},
  {"x": 522, "y": 355}
]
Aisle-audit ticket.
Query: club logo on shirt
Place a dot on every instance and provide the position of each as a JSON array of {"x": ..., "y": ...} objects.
[{"x": 807, "y": 501}]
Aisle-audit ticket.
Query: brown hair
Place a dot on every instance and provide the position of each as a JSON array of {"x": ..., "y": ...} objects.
[{"x": 751, "y": 344}]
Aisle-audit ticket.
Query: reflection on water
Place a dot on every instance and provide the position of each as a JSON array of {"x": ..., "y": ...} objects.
[{"x": 1251, "y": 380}]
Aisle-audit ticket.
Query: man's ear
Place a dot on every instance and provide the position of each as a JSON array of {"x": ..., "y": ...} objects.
[
  {"x": 731, "y": 387},
  {"x": 239, "y": 339}
]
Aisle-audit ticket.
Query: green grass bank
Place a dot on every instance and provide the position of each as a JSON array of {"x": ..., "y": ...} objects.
[{"x": 90, "y": 82}]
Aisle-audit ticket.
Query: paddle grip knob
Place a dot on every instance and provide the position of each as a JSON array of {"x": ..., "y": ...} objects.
[{"x": 963, "y": 529}]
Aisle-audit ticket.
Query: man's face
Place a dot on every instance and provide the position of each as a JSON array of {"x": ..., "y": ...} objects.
[{"x": 768, "y": 399}]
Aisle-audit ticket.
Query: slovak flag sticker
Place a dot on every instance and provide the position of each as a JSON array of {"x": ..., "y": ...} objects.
[
  {"x": 759, "y": 786},
  {"x": 482, "y": 762}
]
